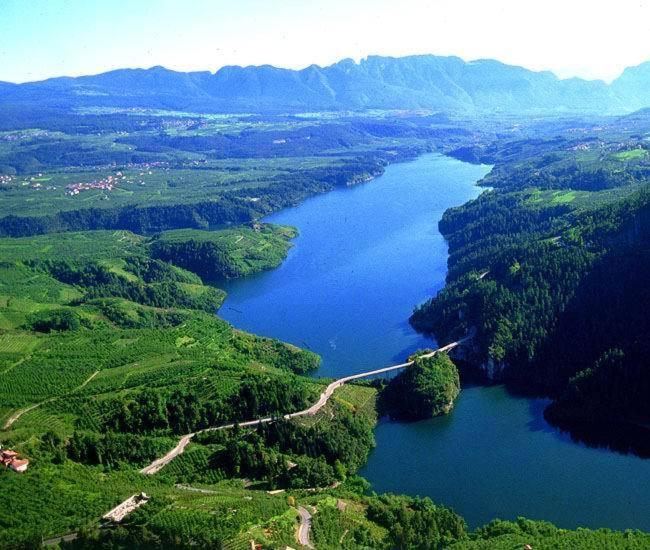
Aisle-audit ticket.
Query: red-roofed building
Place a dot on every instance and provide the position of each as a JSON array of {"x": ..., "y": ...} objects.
[
  {"x": 19, "y": 465},
  {"x": 9, "y": 459}
]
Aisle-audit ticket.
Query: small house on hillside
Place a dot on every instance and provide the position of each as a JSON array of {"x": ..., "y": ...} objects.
[
  {"x": 19, "y": 465},
  {"x": 9, "y": 459}
]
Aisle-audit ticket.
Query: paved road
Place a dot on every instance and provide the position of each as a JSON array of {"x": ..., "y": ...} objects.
[
  {"x": 160, "y": 463},
  {"x": 304, "y": 528},
  {"x": 305, "y": 517}
]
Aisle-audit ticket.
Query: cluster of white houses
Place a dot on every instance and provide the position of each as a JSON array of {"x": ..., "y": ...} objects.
[{"x": 107, "y": 184}]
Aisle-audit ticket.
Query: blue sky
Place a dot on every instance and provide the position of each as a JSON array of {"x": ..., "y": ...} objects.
[{"x": 43, "y": 38}]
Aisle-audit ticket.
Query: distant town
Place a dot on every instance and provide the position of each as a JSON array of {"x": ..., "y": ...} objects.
[
  {"x": 44, "y": 182},
  {"x": 106, "y": 184}
]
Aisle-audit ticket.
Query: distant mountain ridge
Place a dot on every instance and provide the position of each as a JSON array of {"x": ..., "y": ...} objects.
[{"x": 447, "y": 84}]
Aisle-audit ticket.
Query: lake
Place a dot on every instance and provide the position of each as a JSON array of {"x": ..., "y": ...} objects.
[{"x": 364, "y": 257}]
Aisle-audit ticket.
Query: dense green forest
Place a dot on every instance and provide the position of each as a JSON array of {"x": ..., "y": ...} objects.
[
  {"x": 305, "y": 453},
  {"x": 431, "y": 383},
  {"x": 550, "y": 270}
]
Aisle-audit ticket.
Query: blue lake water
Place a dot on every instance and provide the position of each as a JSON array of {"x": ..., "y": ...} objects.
[{"x": 364, "y": 257}]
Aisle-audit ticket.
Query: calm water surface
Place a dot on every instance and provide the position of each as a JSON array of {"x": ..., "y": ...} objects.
[{"x": 364, "y": 257}]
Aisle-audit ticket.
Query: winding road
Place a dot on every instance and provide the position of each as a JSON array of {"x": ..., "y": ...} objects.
[
  {"x": 305, "y": 517},
  {"x": 304, "y": 528},
  {"x": 160, "y": 463}
]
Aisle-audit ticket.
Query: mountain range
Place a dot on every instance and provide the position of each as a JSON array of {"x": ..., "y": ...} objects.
[{"x": 446, "y": 84}]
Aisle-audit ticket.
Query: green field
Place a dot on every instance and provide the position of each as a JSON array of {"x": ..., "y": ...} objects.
[{"x": 163, "y": 159}]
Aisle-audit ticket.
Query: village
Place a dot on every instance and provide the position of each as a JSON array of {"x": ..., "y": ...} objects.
[
  {"x": 105, "y": 184},
  {"x": 110, "y": 182},
  {"x": 43, "y": 182}
]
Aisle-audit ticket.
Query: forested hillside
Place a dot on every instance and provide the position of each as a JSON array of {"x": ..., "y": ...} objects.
[{"x": 550, "y": 269}]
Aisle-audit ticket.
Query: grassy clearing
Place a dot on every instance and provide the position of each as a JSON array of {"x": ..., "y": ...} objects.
[
  {"x": 633, "y": 154},
  {"x": 354, "y": 398},
  {"x": 563, "y": 197}
]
